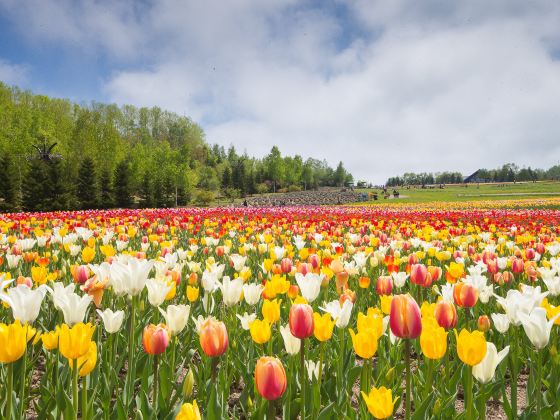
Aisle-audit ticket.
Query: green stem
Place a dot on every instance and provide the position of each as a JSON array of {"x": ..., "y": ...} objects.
[
  {"x": 538, "y": 383},
  {"x": 302, "y": 377},
  {"x": 84, "y": 398},
  {"x": 75, "y": 387},
  {"x": 271, "y": 411},
  {"x": 23, "y": 380},
  {"x": 131, "y": 374},
  {"x": 513, "y": 369},
  {"x": 408, "y": 391},
  {"x": 320, "y": 379},
  {"x": 429, "y": 377},
  {"x": 469, "y": 394},
  {"x": 155, "y": 384},
  {"x": 9, "y": 390}
]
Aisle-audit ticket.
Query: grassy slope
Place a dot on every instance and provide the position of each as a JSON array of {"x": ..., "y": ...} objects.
[{"x": 475, "y": 193}]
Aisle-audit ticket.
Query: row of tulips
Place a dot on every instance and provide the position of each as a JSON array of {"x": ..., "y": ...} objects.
[{"x": 309, "y": 312}]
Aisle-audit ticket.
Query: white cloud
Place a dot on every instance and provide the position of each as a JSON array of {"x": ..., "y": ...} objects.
[
  {"x": 391, "y": 87},
  {"x": 12, "y": 74}
]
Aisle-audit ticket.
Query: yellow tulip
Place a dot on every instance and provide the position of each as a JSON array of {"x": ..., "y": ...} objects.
[
  {"x": 107, "y": 250},
  {"x": 50, "y": 340},
  {"x": 13, "y": 341},
  {"x": 365, "y": 343},
  {"x": 39, "y": 274},
  {"x": 433, "y": 341},
  {"x": 192, "y": 293},
  {"x": 323, "y": 326},
  {"x": 380, "y": 402},
  {"x": 74, "y": 342},
  {"x": 471, "y": 347},
  {"x": 428, "y": 310},
  {"x": 189, "y": 412},
  {"x": 87, "y": 362},
  {"x": 372, "y": 321},
  {"x": 271, "y": 310},
  {"x": 88, "y": 254},
  {"x": 386, "y": 303},
  {"x": 260, "y": 331}
]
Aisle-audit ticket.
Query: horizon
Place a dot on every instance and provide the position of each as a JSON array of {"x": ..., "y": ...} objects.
[{"x": 308, "y": 76}]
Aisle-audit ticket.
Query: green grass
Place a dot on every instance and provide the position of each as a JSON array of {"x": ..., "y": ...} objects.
[{"x": 510, "y": 191}]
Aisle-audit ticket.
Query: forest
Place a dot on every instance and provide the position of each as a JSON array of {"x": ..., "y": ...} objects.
[{"x": 106, "y": 156}]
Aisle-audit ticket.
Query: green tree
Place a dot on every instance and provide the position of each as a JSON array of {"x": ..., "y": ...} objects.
[
  {"x": 147, "y": 191},
  {"x": 123, "y": 193},
  {"x": 275, "y": 166},
  {"x": 8, "y": 188},
  {"x": 37, "y": 188},
  {"x": 87, "y": 190},
  {"x": 107, "y": 199}
]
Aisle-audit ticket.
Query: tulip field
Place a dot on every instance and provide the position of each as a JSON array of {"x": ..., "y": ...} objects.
[{"x": 416, "y": 312}]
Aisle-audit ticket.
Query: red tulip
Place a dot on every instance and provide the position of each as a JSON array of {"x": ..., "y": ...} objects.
[
  {"x": 405, "y": 318},
  {"x": 286, "y": 265},
  {"x": 270, "y": 378},
  {"x": 419, "y": 275},
  {"x": 517, "y": 265},
  {"x": 446, "y": 314},
  {"x": 301, "y": 320}
]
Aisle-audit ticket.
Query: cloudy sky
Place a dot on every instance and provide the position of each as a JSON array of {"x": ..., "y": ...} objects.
[{"x": 385, "y": 86}]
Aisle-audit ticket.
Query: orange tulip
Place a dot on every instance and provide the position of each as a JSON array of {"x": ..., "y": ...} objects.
[
  {"x": 213, "y": 337},
  {"x": 465, "y": 295},
  {"x": 270, "y": 378},
  {"x": 155, "y": 339}
]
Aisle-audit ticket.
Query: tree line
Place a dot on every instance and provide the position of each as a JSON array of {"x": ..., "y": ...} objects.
[
  {"x": 124, "y": 156},
  {"x": 509, "y": 172}
]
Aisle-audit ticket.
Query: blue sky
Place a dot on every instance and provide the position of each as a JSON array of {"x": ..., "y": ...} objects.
[{"x": 386, "y": 87}]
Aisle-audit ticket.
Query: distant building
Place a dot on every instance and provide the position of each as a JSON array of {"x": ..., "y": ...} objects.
[{"x": 475, "y": 178}]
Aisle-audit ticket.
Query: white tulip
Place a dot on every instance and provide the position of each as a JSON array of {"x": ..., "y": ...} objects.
[
  {"x": 176, "y": 317},
  {"x": 246, "y": 320},
  {"x": 291, "y": 343},
  {"x": 112, "y": 321},
  {"x": 516, "y": 302},
  {"x": 279, "y": 252},
  {"x": 157, "y": 291},
  {"x": 485, "y": 370},
  {"x": 553, "y": 285},
  {"x": 340, "y": 313},
  {"x": 537, "y": 327},
  {"x": 74, "y": 307},
  {"x": 309, "y": 285},
  {"x": 130, "y": 277},
  {"x": 25, "y": 302},
  {"x": 102, "y": 271},
  {"x": 13, "y": 260},
  {"x": 502, "y": 262},
  {"x": 252, "y": 293},
  {"x": 312, "y": 369},
  {"x": 210, "y": 282},
  {"x": 501, "y": 322},
  {"x": 238, "y": 261},
  {"x": 60, "y": 292},
  {"x": 231, "y": 290},
  {"x": 399, "y": 279}
]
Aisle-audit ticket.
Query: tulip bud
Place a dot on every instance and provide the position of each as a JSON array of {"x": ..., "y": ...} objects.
[
  {"x": 293, "y": 291},
  {"x": 390, "y": 375},
  {"x": 445, "y": 314},
  {"x": 517, "y": 265},
  {"x": 286, "y": 265},
  {"x": 483, "y": 323},
  {"x": 270, "y": 378},
  {"x": 405, "y": 318},
  {"x": 384, "y": 285},
  {"x": 465, "y": 295},
  {"x": 155, "y": 339},
  {"x": 301, "y": 320},
  {"x": 213, "y": 337},
  {"x": 188, "y": 385},
  {"x": 419, "y": 275}
]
